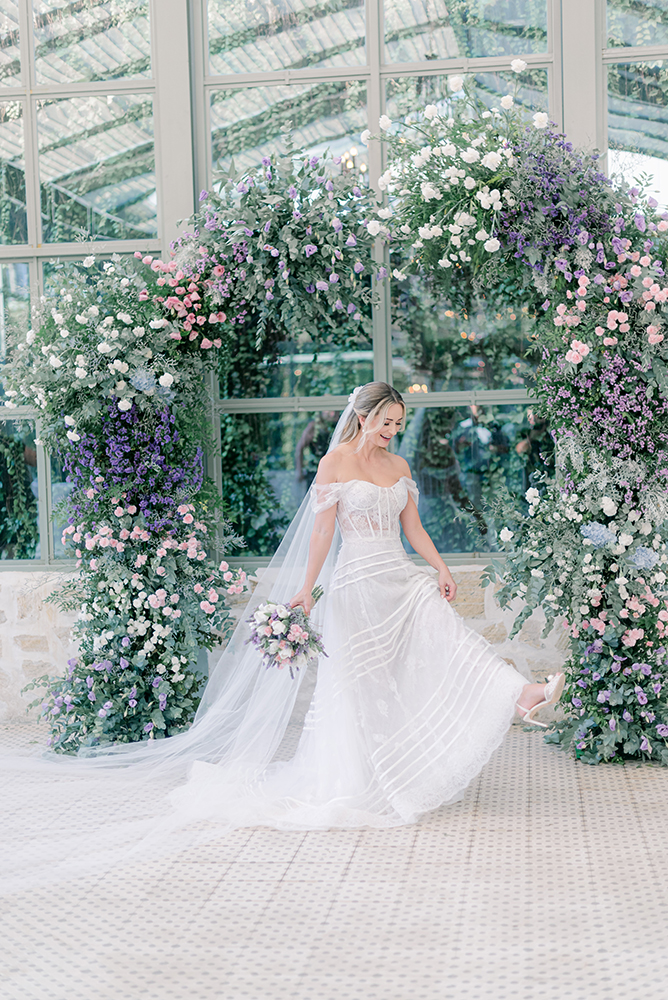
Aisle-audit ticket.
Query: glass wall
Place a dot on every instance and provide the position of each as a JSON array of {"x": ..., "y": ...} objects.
[
  {"x": 91, "y": 147},
  {"x": 637, "y": 93},
  {"x": 458, "y": 370}
]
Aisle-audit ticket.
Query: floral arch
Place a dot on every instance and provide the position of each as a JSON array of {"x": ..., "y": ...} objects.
[{"x": 481, "y": 201}]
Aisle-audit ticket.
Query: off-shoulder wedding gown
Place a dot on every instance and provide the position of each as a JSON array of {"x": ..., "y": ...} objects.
[{"x": 408, "y": 706}]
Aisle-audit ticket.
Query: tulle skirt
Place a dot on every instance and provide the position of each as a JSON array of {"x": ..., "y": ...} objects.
[{"x": 408, "y": 706}]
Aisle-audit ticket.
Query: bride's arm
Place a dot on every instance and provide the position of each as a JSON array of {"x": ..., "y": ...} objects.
[
  {"x": 423, "y": 545},
  {"x": 321, "y": 539}
]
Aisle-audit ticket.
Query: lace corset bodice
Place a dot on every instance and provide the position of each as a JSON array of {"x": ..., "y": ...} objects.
[{"x": 365, "y": 510}]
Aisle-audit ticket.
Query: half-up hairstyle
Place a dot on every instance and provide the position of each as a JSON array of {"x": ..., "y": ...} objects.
[{"x": 371, "y": 401}]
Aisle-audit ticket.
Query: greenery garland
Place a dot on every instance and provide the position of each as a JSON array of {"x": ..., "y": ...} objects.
[{"x": 483, "y": 200}]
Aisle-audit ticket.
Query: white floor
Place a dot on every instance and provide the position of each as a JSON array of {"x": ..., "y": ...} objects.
[{"x": 548, "y": 880}]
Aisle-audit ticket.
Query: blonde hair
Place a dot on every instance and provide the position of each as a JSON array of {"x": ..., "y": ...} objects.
[{"x": 371, "y": 401}]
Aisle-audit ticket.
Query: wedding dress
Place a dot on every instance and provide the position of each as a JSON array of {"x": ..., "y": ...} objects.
[
  {"x": 409, "y": 703},
  {"x": 407, "y": 707}
]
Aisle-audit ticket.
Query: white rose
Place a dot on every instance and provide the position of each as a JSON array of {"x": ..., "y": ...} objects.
[
  {"x": 492, "y": 245},
  {"x": 81, "y": 373},
  {"x": 540, "y": 120},
  {"x": 385, "y": 213},
  {"x": 506, "y": 534},
  {"x": 158, "y": 324},
  {"x": 73, "y": 436},
  {"x": 55, "y": 361},
  {"x": 448, "y": 150},
  {"x": 384, "y": 122},
  {"x": 70, "y": 421},
  {"x": 124, "y": 404},
  {"x": 399, "y": 275},
  {"x": 278, "y": 627},
  {"x": 430, "y": 111},
  {"x": 492, "y": 160},
  {"x": 532, "y": 495},
  {"x": 482, "y": 235},
  {"x": 455, "y": 83},
  {"x": 282, "y": 611},
  {"x": 166, "y": 380},
  {"x": 104, "y": 347},
  {"x": 625, "y": 539},
  {"x": 82, "y": 320},
  {"x": 470, "y": 155},
  {"x": 429, "y": 192},
  {"x": 507, "y": 102},
  {"x": 138, "y": 331},
  {"x": 93, "y": 311},
  {"x": 538, "y": 573},
  {"x": 608, "y": 506},
  {"x": 518, "y": 65},
  {"x": 365, "y": 136},
  {"x": 124, "y": 318},
  {"x": 373, "y": 227},
  {"x": 88, "y": 261},
  {"x": 469, "y": 183}
]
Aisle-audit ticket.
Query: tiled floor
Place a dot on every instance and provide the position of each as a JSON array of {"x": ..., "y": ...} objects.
[{"x": 548, "y": 881}]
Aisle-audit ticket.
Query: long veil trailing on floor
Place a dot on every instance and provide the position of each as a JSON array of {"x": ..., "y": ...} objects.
[{"x": 59, "y": 815}]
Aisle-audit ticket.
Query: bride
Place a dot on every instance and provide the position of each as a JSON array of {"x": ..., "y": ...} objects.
[{"x": 408, "y": 705}]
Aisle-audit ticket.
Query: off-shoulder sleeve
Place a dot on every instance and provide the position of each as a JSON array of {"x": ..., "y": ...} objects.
[
  {"x": 413, "y": 491},
  {"x": 324, "y": 495}
]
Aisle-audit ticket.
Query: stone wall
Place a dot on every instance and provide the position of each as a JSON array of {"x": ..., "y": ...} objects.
[{"x": 35, "y": 636}]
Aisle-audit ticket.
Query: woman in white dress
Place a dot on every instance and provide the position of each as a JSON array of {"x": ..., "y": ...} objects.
[{"x": 411, "y": 702}]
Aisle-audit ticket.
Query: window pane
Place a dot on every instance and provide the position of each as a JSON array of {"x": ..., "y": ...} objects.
[
  {"x": 91, "y": 41},
  {"x": 13, "y": 219},
  {"x": 252, "y": 37},
  {"x": 269, "y": 461},
  {"x": 461, "y": 458},
  {"x": 10, "y": 59},
  {"x": 96, "y": 167},
  {"x": 246, "y": 124},
  {"x": 19, "y": 528},
  {"x": 436, "y": 29},
  {"x": 406, "y": 93},
  {"x": 60, "y": 490},
  {"x": 638, "y": 123},
  {"x": 299, "y": 369},
  {"x": 436, "y": 349},
  {"x": 14, "y": 302},
  {"x": 642, "y": 22}
]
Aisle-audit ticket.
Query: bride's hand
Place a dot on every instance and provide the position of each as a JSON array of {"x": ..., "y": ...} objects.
[
  {"x": 303, "y": 599},
  {"x": 447, "y": 585}
]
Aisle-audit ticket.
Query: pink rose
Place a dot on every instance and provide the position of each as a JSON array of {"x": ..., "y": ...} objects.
[
  {"x": 198, "y": 588},
  {"x": 655, "y": 338},
  {"x": 609, "y": 341},
  {"x": 573, "y": 357},
  {"x": 206, "y": 343}
]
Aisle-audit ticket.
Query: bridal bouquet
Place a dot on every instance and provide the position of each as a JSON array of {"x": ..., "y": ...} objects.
[{"x": 285, "y": 635}]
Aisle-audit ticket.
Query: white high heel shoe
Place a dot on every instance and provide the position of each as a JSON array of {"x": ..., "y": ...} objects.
[{"x": 551, "y": 693}]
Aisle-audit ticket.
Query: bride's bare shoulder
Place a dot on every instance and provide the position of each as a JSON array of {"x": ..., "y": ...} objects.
[
  {"x": 399, "y": 465},
  {"x": 329, "y": 465}
]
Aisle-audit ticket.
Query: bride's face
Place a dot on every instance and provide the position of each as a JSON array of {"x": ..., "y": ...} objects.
[{"x": 382, "y": 432}]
